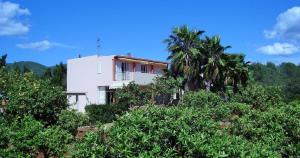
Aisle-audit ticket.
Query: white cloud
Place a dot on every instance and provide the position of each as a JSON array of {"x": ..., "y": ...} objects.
[
  {"x": 287, "y": 25},
  {"x": 279, "y": 49},
  {"x": 10, "y": 23},
  {"x": 43, "y": 45}
]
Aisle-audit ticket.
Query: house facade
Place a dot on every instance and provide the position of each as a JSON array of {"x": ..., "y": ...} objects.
[{"x": 94, "y": 79}]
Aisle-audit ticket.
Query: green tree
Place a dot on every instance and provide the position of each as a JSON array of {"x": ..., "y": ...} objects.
[
  {"x": 52, "y": 142},
  {"x": 26, "y": 69},
  {"x": 47, "y": 73},
  {"x": 163, "y": 89},
  {"x": 133, "y": 95},
  {"x": 236, "y": 71},
  {"x": 71, "y": 119},
  {"x": 29, "y": 95},
  {"x": 3, "y": 61},
  {"x": 59, "y": 75},
  {"x": 183, "y": 45},
  {"x": 21, "y": 142},
  {"x": 213, "y": 51}
]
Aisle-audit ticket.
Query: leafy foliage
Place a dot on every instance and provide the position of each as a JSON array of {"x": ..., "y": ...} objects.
[
  {"x": 52, "y": 141},
  {"x": 164, "y": 87},
  {"x": 231, "y": 130},
  {"x": 285, "y": 75},
  {"x": 3, "y": 61},
  {"x": 201, "y": 99},
  {"x": 133, "y": 95},
  {"x": 203, "y": 126},
  {"x": 26, "y": 137},
  {"x": 21, "y": 66},
  {"x": 104, "y": 113},
  {"x": 39, "y": 98},
  {"x": 70, "y": 119},
  {"x": 20, "y": 134},
  {"x": 90, "y": 146},
  {"x": 258, "y": 96},
  {"x": 204, "y": 63}
]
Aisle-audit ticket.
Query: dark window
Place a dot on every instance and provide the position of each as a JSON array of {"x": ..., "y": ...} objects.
[
  {"x": 124, "y": 67},
  {"x": 144, "y": 69}
]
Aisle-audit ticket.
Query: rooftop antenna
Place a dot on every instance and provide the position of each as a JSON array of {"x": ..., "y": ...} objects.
[{"x": 98, "y": 46}]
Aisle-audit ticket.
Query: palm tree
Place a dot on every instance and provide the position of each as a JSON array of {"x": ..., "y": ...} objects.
[
  {"x": 3, "y": 60},
  {"x": 183, "y": 45},
  {"x": 213, "y": 51},
  {"x": 236, "y": 71}
]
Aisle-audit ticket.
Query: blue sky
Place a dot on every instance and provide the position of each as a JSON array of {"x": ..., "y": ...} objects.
[{"x": 52, "y": 31}]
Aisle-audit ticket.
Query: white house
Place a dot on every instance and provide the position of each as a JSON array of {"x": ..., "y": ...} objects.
[{"x": 93, "y": 79}]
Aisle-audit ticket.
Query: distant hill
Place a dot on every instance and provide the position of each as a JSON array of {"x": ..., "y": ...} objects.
[{"x": 36, "y": 68}]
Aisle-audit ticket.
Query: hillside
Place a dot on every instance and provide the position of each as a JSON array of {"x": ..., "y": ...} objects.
[{"x": 37, "y": 68}]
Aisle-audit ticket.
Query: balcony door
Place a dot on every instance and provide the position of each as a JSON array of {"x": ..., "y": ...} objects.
[{"x": 125, "y": 71}]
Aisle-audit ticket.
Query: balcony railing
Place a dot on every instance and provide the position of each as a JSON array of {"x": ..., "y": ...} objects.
[{"x": 123, "y": 76}]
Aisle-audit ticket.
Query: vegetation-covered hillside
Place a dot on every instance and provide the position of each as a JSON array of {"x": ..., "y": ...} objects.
[
  {"x": 35, "y": 67},
  {"x": 285, "y": 75}
]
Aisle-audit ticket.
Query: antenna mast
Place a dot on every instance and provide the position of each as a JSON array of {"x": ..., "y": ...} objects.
[{"x": 98, "y": 46}]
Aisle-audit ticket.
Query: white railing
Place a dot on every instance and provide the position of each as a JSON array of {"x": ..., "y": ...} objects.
[{"x": 123, "y": 76}]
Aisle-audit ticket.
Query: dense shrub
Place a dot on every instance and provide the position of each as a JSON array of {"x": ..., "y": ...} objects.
[
  {"x": 4, "y": 137},
  {"x": 163, "y": 88},
  {"x": 279, "y": 128},
  {"x": 178, "y": 132},
  {"x": 258, "y": 96},
  {"x": 201, "y": 98},
  {"x": 52, "y": 141},
  {"x": 26, "y": 137},
  {"x": 225, "y": 130},
  {"x": 70, "y": 120},
  {"x": 20, "y": 134},
  {"x": 36, "y": 97},
  {"x": 104, "y": 113},
  {"x": 133, "y": 95},
  {"x": 92, "y": 145}
]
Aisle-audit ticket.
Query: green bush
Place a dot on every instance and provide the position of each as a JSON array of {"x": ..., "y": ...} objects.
[
  {"x": 163, "y": 89},
  {"x": 174, "y": 132},
  {"x": 35, "y": 97},
  {"x": 104, "y": 113},
  {"x": 20, "y": 134},
  {"x": 224, "y": 130},
  {"x": 4, "y": 137},
  {"x": 26, "y": 137},
  {"x": 258, "y": 96},
  {"x": 133, "y": 95},
  {"x": 201, "y": 98},
  {"x": 70, "y": 120},
  {"x": 52, "y": 141},
  {"x": 92, "y": 145}
]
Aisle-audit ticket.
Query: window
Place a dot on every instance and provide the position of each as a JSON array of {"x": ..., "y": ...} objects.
[
  {"x": 144, "y": 69},
  {"x": 99, "y": 68},
  {"x": 125, "y": 71},
  {"x": 124, "y": 67}
]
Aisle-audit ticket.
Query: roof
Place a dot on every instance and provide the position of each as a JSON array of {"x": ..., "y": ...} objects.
[{"x": 139, "y": 59}]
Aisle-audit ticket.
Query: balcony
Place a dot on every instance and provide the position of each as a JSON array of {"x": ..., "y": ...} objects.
[{"x": 124, "y": 76}]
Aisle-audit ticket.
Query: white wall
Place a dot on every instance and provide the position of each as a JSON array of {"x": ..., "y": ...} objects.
[
  {"x": 144, "y": 78},
  {"x": 83, "y": 76}
]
